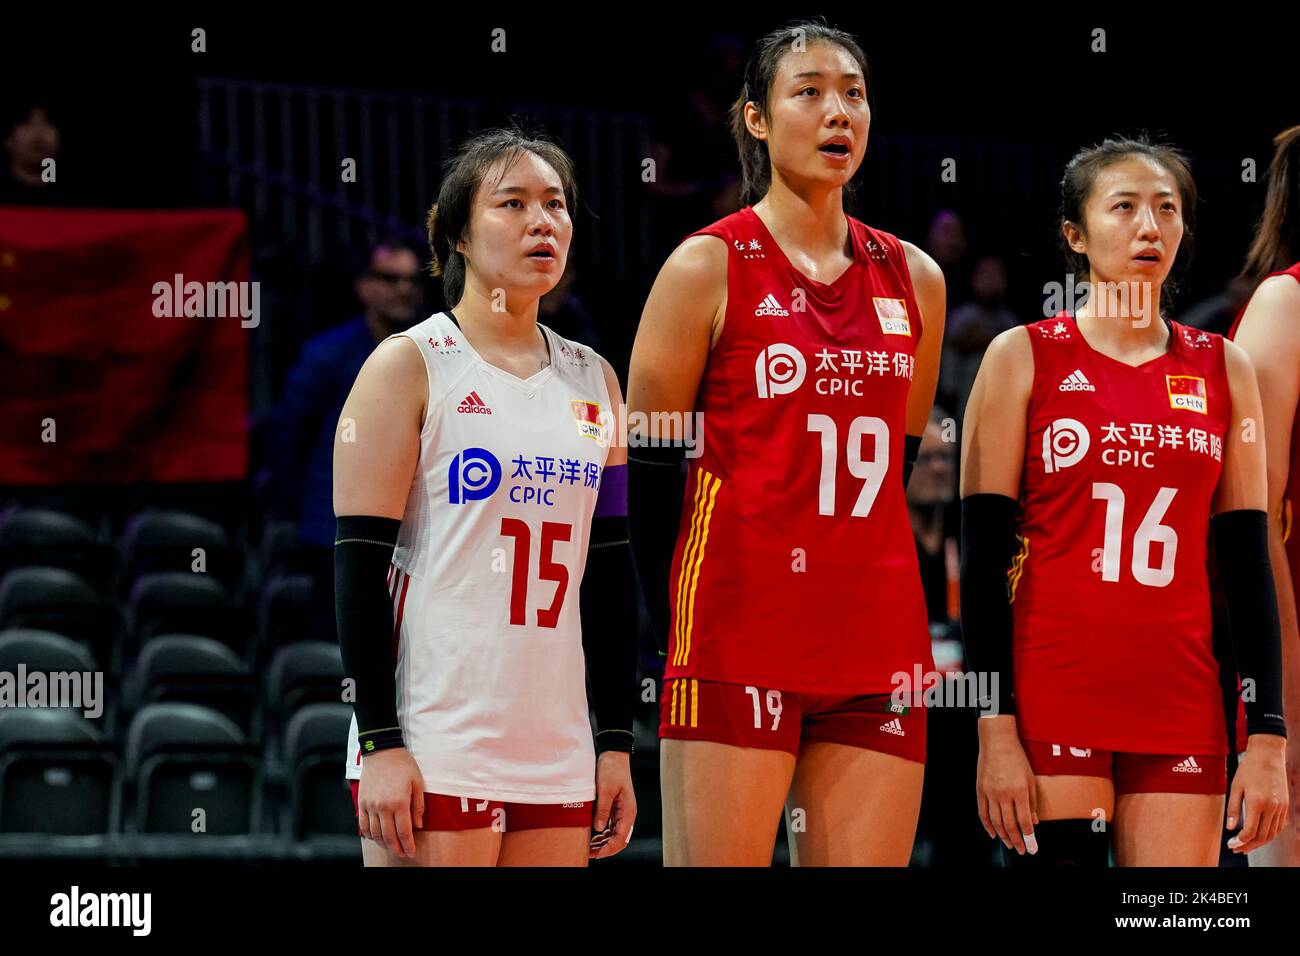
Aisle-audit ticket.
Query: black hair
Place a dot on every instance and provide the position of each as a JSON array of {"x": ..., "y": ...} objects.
[
  {"x": 760, "y": 71},
  {"x": 448, "y": 219},
  {"x": 1081, "y": 175}
]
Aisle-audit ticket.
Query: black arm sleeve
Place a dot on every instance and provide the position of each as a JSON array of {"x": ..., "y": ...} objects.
[
  {"x": 609, "y": 631},
  {"x": 363, "y": 549},
  {"x": 1241, "y": 547},
  {"x": 655, "y": 486},
  {"x": 988, "y": 546},
  {"x": 911, "y": 448}
]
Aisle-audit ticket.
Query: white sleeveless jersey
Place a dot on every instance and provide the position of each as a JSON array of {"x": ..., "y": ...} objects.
[{"x": 491, "y": 679}]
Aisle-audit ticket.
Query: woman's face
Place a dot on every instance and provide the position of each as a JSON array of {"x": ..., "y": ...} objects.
[
  {"x": 817, "y": 116},
  {"x": 1132, "y": 225},
  {"x": 519, "y": 230}
]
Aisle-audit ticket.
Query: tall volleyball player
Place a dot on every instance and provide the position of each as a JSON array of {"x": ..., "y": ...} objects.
[
  {"x": 475, "y": 462},
  {"x": 789, "y": 591},
  {"x": 1117, "y": 434},
  {"x": 1269, "y": 332}
]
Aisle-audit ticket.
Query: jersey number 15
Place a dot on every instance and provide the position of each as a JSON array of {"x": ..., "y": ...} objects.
[{"x": 547, "y": 569}]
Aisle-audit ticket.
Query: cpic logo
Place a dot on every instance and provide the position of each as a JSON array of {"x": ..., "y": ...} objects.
[
  {"x": 779, "y": 370},
  {"x": 474, "y": 475},
  {"x": 1065, "y": 442}
]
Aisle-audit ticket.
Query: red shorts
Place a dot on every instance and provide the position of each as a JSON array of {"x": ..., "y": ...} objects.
[
  {"x": 1132, "y": 772},
  {"x": 748, "y": 716},
  {"x": 442, "y": 812}
]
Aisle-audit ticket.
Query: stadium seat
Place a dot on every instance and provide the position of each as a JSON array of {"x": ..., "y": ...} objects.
[
  {"x": 40, "y": 536},
  {"x": 308, "y": 672},
  {"x": 43, "y": 650},
  {"x": 315, "y": 747},
  {"x": 52, "y": 653},
  {"x": 182, "y": 602},
  {"x": 182, "y": 759},
  {"x": 279, "y": 551},
  {"x": 283, "y": 613},
  {"x": 195, "y": 670},
  {"x": 157, "y": 541},
  {"x": 57, "y": 774},
  {"x": 55, "y": 599}
]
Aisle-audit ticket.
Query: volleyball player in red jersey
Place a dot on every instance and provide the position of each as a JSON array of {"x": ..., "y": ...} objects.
[
  {"x": 1268, "y": 330},
  {"x": 1119, "y": 434},
  {"x": 789, "y": 591}
]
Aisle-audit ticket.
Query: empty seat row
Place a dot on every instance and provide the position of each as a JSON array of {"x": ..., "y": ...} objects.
[
  {"x": 59, "y": 600},
  {"x": 186, "y": 769},
  {"x": 151, "y": 541},
  {"x": 193, "y": 669}
]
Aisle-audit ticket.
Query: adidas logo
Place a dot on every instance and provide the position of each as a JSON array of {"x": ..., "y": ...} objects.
[
  {"x": 769, "y": 306},
  {"x": 471, "y": 404},
  {"x": 894, "y": 727},
  {"x": 1187, "y": 766},
  {"x": 1076, "y": 381}
]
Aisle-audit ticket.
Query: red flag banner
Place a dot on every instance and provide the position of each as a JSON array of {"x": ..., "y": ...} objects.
[{"x": 124, "y": 340}]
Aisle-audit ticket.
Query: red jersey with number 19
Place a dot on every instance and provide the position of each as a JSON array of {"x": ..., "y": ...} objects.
[
  {"x": 1110, "y": 595},
  {"x": 795, "y": 566}
]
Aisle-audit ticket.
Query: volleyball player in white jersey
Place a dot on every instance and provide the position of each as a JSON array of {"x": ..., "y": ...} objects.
[{"x": 476, "y": 458}]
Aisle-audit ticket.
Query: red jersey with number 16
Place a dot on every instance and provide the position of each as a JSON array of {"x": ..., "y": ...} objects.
[
  {"x": 795, "y": 566},
  {"x": 1110, "y": 595}
]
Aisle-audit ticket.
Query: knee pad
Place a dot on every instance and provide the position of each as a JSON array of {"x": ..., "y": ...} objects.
[{"x": 1067, "y": 843}]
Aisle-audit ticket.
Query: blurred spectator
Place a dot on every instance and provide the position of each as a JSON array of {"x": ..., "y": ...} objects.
[
  {"x": 30, "y": 138},
  {"x": 970, "y": 329},
  {"x": 303, "y": 424},
  {"x": 946, "y": 243},
  {"x": 1216, "y": 314},
  {"x": 693, "y": 149},
  {"x": 930, "y": 491}
]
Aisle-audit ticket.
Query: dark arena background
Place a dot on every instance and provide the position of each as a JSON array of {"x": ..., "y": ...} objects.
[{"x": 159, "y": 495}]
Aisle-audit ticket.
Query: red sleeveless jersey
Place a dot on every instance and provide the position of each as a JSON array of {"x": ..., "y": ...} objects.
[
  {"x": 795, "y": 566},
  {"x": 1290, "y": 499},
  {"x": 1110, "y": 596}
]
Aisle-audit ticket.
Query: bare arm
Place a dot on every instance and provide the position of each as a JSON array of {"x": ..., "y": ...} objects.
[
  {"x": 993, "y": 433},
  {"x": 931, "y": 296},
  {"x": 682, "y": 320},
  {"x": 377, "y": 443},
  {"x": 1244, "y": 480},
  {"x": 680, "y": 323},
  {"x": 993, "y": 449},
  {"x": 618, "y": 442},
  {"x": 1269, "y": 334}
]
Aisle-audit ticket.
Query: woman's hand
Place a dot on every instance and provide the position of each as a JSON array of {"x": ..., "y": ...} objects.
[
  {"x": 615, "y": 805},
  {"x": 1005, "y": 787},
  {"x": 1260, "y": 783},
  {"x": 390, "y": 800}
]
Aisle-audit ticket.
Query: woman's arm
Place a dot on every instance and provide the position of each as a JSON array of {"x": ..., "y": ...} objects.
[
  {"x": 1258, "y": 794},
  {"x": 993, "y": 449},
  {"x": 1269, "y": 334},
  {"x": 931, "y": 297},
  {"x": 681, "y": 321},
  {"x": 992, "y": 456},
  {"x": 376, "y": 448}
]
